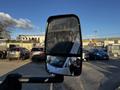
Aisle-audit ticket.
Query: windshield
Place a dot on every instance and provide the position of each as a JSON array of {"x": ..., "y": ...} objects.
[
  {"x": 23, "y": 24},
  {"x": 37, "y": 49},
  {"x": 15, "y": 49}
]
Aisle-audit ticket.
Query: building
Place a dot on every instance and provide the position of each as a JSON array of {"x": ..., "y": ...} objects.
[
  {"x": 32, "y": 38},
  {"x": 29, "y": 41},
  {"x": 102, "y": 41}
]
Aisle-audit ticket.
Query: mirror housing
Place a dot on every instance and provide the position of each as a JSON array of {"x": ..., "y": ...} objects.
[{"x": 63, "y": 45}]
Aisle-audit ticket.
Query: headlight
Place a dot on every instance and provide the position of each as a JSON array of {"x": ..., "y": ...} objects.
[{"x": 98, "y": 54}]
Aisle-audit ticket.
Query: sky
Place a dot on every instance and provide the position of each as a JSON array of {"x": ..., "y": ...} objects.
[{"x": 98, "y": 18}]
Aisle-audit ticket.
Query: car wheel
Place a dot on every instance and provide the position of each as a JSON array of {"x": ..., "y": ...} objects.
[
  {"x": 86, "y": 59},
  {"x": 107, "y": 59},
  {"x": 23, "y": 57},
  {"x": 28, "y": 57}
]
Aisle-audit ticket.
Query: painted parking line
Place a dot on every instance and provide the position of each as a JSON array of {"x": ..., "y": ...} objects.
[{"x": 97, "y": 67}]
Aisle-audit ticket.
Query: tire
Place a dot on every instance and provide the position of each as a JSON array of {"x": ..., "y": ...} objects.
[
  {"x": 108, "y": 59},
  {"x": 87, "y": 59},
  {"x": 23, "y": 58}
]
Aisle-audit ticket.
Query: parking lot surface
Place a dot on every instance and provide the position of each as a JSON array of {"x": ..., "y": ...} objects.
[{"x": 96, "y": 75}]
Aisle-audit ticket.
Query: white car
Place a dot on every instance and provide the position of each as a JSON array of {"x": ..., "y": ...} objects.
[{"x": 37, "y": 53}]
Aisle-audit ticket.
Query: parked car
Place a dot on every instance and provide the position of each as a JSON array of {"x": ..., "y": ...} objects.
[
  {"x": 37, "y": 54},
  {"x": 18, "y": 53},
  {"x": 96, "y": 54}
]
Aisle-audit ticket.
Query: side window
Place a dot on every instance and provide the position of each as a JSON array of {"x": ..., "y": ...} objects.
[
  {"x": 23, "y": 50},
  {"x": 26, "y": 50}
]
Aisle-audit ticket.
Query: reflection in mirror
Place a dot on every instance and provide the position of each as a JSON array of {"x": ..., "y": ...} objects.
[
  {"x": 63, "y": 45},
  {"x": 61, "y": 35},
  {"x": 64, "y": 65}
]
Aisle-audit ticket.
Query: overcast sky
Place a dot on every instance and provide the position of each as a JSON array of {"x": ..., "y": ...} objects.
[{"x": 97, "y": 17}]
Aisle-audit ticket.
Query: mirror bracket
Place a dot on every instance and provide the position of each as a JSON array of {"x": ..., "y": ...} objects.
[{"x": 12, "y": 78}]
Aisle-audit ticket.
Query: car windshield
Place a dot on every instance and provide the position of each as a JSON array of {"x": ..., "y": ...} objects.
[
  {"x": 37, "y": 49},
  {"x": 15, "y": 49},
  {"x": 25, "y": 43}
]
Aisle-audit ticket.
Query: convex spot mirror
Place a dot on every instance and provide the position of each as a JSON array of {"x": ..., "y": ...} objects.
[{"x": 63, "y": 45}]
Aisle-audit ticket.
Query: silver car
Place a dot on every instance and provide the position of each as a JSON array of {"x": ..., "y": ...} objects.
[{"x": 18, "y": 53}]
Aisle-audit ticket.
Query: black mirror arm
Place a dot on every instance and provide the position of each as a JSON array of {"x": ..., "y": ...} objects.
[
  {"x": 11, "y": 82},
  {"x": 14, "y": 81},
  {"x": 50, "y": 79}
]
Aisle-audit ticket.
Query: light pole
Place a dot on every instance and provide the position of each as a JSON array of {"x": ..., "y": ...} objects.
[{"x": 95, "y": 34}]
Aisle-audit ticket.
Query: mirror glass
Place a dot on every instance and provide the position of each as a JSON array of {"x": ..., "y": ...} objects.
[{"x": 63, "y": 45}]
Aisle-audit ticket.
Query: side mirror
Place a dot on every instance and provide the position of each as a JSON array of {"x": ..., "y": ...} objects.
[{"x": 63, "y": 45}]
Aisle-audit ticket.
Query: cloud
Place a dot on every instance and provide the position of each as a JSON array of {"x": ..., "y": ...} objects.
[
  {"x": 7, "y": 21},
  {"x": 24, "y": 23}
]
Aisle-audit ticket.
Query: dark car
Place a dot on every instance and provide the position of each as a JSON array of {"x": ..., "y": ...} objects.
[
  {"x": 18, "y": 53},
  {"x": 37, "y": 54},
  {"x": 96, "y": 54}
]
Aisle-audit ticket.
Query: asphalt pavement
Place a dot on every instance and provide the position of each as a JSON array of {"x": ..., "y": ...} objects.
[
  {"x": 96, "y": 75},
  {"x": 28, "y": 69},
  {"x": 101, "y": 75}
]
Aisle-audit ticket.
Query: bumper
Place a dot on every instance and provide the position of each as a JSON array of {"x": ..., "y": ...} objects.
[{"x": 38, "y": 58}]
